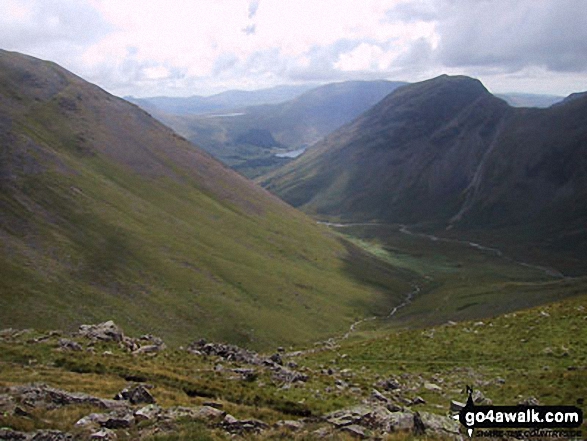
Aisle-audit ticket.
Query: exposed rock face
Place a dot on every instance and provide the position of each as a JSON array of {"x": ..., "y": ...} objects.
[
  {"x": 41, "y": 395},
  {"x": 380, "y": 419},
  {"x": 107, "y": 331},
  {"x": 136, "y": 395}
]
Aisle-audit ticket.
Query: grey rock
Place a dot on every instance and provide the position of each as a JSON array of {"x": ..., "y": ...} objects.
[
  {"x": 440, "y": 425},
  {"x": 235, "y": 426},
  {"x": 456, "y": 406},
  {"x": 50, "y": 435},
  {"x": 355, "y": 431},
  {"x": 290, "y": 425},
  {"x": 12, "y": 435},
  {"x": 375, "y": 394},
  {"x": 136, "y": 395},
  {"x": 150, "y": 412},
  {"x": 389, "y": 384},
  {"x": 69, "y": 345},
  {"x": 104, "y": 435},
  {"x": 480, "y": 399},
  {"x": 107, "y": 331},
  {"x": 41, "y": 395},
  {"x": 418, "y": 400},
  {"x": 432, "y": 387}
]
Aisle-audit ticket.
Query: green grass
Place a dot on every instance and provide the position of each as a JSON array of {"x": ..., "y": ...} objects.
[
  {"x": 112, "y": 216},
  {"x": 457, "y": 281}
]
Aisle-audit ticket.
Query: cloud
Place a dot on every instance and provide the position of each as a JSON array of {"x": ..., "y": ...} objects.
[
  {"x": 411, "y": 11},
  {"x": 29, "y": 25},
  {"x": 250, "y": 30},
  {"x": 513, "y": 35},
  {"x": 188, "y": 47},
  {"x": 253, "y": 6}
]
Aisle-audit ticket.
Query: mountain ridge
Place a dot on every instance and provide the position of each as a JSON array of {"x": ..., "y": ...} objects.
[
  {"x": 106, "y": 213},
  {"x": 448, "y": 154}
]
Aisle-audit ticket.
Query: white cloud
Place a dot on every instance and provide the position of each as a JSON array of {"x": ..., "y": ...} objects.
[{"x": 188, "y": 47}]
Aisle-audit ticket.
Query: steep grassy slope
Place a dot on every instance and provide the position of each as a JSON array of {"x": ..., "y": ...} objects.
[
  {"x": 538, "y": 354},
  {"x": 294, "y": 124},
  {"x": 105, "y": 213},
  {"x": 446, "y": 153}
]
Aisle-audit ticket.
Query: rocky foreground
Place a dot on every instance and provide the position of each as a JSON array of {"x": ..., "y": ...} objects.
[{"x": 386, "y": 408}]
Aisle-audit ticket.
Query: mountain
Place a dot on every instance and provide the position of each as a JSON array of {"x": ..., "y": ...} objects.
[
  {"x": 107, "y": 214},
  {"x": 448, "y": 154},
  {"x": 530, "y": 99},
  {"x": 294, "y": 124},
  {"x": 230, "y": 99}
]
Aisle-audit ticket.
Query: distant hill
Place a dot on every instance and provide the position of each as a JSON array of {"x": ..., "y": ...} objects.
[
  {"x": 107, "y": 214},
  {"x": 448, "y": 154},
  {"x": 230, "y": 99},
  {"x": 294, "y": 124},
  {"x": 530, "y": 100}
]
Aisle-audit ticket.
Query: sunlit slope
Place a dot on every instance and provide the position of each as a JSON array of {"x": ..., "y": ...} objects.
[{"x": 107, "y": 214}]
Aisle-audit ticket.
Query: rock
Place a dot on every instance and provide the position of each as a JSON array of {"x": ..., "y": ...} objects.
[
  {"x": 12, "y": 435},
  {"x": 456, "y": 406},
  {"x": 480, "y": 399},
  {"x": 290, "y": 425},
  {"x": 276, "y": 358},
  {"x": 234, "y": 426},
  {"x": 147, "y": 349},
  {"x": 69, "y": 345},
  {"x": 379, "y": 396},
  {"x": 400, "y": 421},
  {"x": 41, "y": 395},
  {"x": 432, "y": 387},
  {"x": 285, "y": 375},
  {"x": 439, "y": 425},
  {"x": 107, "y": 331},
  {"x": 530, "y": 401},
  {"x": 209, "y": 414},
  {"x": 104, "y": 435},
  {"x": 389, "y": 384},
  {"x": 227, "y": 352},
  {"x": 50, "y": 435},
  {"x": 418, "y": 400},
  {"x": 119, "y": 420},
  {"x": 355, "y": 431},
  {"x": 148, "y": 413},
  {"x": 136, "y": 395}
]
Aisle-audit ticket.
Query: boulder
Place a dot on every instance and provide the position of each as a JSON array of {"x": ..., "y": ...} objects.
[
  {"x": 69, "y": 345},
  {"x": 104, "y": 435},
  {"x": 41, "y": 395},
  {"x": 150, "y": 412},
  {"x": 355, "y": 430},
  {"x": 235, "y": 426},
  {"x": 107, "y": 331},
  {"x": 136, "y": 395}
]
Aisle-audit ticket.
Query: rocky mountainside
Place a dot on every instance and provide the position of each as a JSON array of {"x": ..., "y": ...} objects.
[
  {"x": 447, "y": 153},
  {"x": 106, "y": 213},
  {"x": 99, "y": 383}
]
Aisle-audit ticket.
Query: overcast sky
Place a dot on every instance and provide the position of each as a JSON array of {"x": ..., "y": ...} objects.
[{"x": 200, "y": 47}]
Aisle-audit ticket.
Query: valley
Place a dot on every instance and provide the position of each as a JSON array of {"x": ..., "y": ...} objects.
[{"x": 430, "y": 237}]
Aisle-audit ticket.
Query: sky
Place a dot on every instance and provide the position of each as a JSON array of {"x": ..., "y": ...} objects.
[{"x": 201, "y": 47}]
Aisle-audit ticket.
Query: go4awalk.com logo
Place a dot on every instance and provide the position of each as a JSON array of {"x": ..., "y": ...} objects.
[{"x": 518, "y": 417}]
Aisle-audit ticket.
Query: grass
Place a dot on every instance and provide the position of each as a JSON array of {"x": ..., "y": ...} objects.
[
  {"x": 457, "y": 281},
  {"x": 115, "y": 210}
]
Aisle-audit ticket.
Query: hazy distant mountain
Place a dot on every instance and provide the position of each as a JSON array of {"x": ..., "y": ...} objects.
[
  {"x": 448, "y": 153},
  {"x": 530, "y": 100},
  {"x": 293, "y": 124},
  {"x": 107, "y": 214},
  {"x": 231, "y": 99}
]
